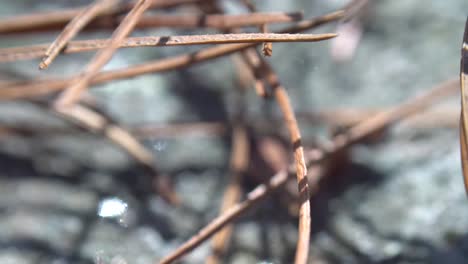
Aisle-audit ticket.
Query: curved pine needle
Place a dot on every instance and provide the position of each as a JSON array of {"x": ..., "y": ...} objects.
[{"x": 464, "y": 105}]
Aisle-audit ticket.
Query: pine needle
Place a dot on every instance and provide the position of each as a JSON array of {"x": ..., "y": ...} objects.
[{"x": 464, "y": 105}]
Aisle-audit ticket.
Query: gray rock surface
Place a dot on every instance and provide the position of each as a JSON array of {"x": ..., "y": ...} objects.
[{"x": 402, "y": 201}]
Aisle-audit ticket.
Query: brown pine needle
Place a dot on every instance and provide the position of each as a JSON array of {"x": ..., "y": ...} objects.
[
  {"x": 464, "y": 106},
  {"x": 464, "y": 152},
  {"x": 72, "y": 94},
  {"x": 267, "y": 47},
  {"x": 22, "y": 23},
  {"x": 381, "y": 120},
  {"x": 189, "y": 21},
  {"x": 74, "y": 27},
  {"x": 238, "y": 165},
  {"x": 282, "y": 98},
  {"x": 36, "y": 88},
  {"x": 218, "y": 21},
  {"x": 259, "y": 84},
  {"x": 95, "y": 122},
  {"x": 347, "y": 117},
  {"x": 255, "y": 196},
  {"x": 58, "y": 19},
  {"x": 260, "y": 192},
  {"x": 262, "y": 70},
  {"x": 397, "y": 113},
  {"x": 208, "y": 129},
  {"x": 30, "y": 52},
  {"x": 355, "y": 8},
  {"x": 260, "y": 88}
]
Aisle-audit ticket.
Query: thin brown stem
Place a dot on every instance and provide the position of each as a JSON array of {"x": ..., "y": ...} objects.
[
  {"x": 31, "y": 52},
  {"x": 217, "y": 21},
  {"x": 80, "y": 83},
  {"x": 411, "y": 107},
  {"x": 95, "y": 122},
  {"x": 74, "y": 27},
  {"x": 208, "y": 129},
  {"x": 227, "y": 217},
  {"x": 58, "y": 19},
  {"x": 314, "y": 158},
  {"x": 188, "y": 20},
  {"x": 259, "y": 84},
  {"x": 238, "y": 166},
  {"x": 262, "y": 70},
  {"x": 282, "y": 98},
  {"x": 267, "y": 47},
  {"x": 355, "y": 8},
  {"x": 36, "y": 88},
  {"x": 347, "y": 117},
  {"x": 464, "y": 106},
  {"x": 441, "y": 117}
]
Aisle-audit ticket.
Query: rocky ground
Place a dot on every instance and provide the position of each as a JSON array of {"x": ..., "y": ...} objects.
[{"x": 76, "y": 198}]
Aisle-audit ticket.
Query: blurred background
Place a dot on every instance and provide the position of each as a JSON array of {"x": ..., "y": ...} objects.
[{"x": 70, "y": 196}]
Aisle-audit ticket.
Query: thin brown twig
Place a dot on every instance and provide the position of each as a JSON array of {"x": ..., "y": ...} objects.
[
  {"x": 383, "y": 119},
  {"x": 228, "y": 216},
  {"x": 347, "y": 117},
  {"x": 74, "y": 27},
  {"x": 177, "y": 130},
  {"x": 282, "y": 98},
  {"x": 267, "y": 47},
  {"x": 250, "y": 75},
  {"x": 464, "y": 106},
  {"x": 95, "y": 122},
  {"x": 58, "y": 19},
  {"x": 188, "y": 20},
  {"x": 72, "y": 93},
  {"x": 442, "y": 117},
  {"x": 259, "y": 84},
  {"x": 34, "y": 51},
  {"x": 147, "y": 131},
  {"x": 36, "y": 88},
  {"x": 354, "y": 8},
  {"x": 216, "y": 21},
  {"x": 238, "y": 166},
  {"x": 315, "y": 157},
  {"x": 262, "y": 69}
]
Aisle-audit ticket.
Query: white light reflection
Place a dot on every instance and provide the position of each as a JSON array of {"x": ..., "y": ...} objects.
[
  {"x": 159, "y": 145},
  {"x": 112, "y": 208}
]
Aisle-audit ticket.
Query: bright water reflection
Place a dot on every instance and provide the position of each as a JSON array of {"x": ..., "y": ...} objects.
[{"x": 112, "y": 208}]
